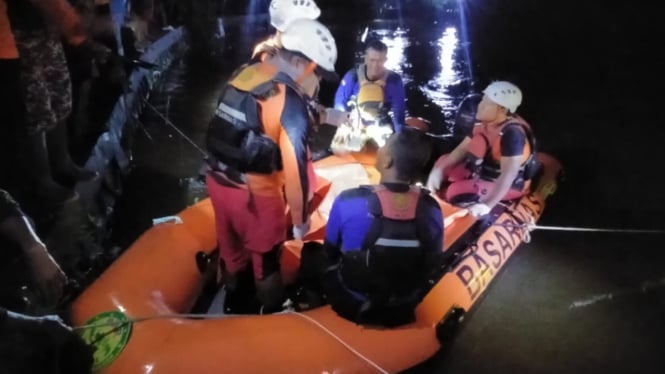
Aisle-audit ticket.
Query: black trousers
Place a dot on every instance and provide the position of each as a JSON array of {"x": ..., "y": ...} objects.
[{"x": 319, "y": 273}]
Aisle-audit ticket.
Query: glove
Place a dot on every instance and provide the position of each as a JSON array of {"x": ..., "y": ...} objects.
[
  {"x": 435, "y": 180},
  {"x": 299, "y": 231},
  {"x": 479, "y": 210}
]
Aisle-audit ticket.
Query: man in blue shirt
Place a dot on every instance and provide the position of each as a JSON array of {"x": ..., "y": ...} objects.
[
  {"x": 374, "y": 87},
  {"x": 381, "y": 240}
]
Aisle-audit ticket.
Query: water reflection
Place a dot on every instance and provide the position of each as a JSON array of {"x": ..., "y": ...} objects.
[
  {"x": 462, "y": 6},
  {"x": 396, "y": 41},
  {"x": 435, "y": 89}
]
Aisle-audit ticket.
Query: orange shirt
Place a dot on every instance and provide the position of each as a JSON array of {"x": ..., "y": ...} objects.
[{"x": 7, "y": 45}]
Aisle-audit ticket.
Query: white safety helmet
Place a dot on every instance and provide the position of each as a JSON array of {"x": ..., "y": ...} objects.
[
  {"x": 505, "y": 94},
  {"x": 283, "y": 12},
  {"x": 313, "y": 40}
]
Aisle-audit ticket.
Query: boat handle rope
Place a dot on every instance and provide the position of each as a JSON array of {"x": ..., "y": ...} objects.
[
  {"x": 118, "y": 325},
  {"x": 171, "y": 124},
  {"x": 342, "y": 342},
  {"x": 531, "y": 225}
]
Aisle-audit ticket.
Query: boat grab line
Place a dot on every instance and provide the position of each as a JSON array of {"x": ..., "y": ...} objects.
[
  {"x": 325, "y": 329},
  {"x": 120, "y": 324},
  {"x": 531, "y": 225},
  {"x": 182, "y": 134}
]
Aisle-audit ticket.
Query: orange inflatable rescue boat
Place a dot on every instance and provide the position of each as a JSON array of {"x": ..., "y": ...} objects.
[{"x": 132, "y": 313}]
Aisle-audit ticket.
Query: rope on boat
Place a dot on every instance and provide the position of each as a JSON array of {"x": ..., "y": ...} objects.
[
  {"x": 531, "y": 225},
  {"x": 182, "y": 134},
  {"x": 149, "y": 318},
  {"x": 120, "y": 324},
  {"x": 584, "y": 229},
  {"x": 346, "y": 345}
]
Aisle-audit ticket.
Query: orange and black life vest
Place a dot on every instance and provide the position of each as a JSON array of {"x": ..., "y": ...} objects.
[
  {"x": 484, "y": 154},
  {"x": 236, "y": 140},
  {"x": 388, "y": 271}
]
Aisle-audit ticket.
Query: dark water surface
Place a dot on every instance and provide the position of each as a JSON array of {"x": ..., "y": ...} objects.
[{"x": 591, "y": 76}]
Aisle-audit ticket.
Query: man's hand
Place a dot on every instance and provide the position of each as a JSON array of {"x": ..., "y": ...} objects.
[
  {"x": 299, "y": 231},
  {"x": 479, "y": 210},
  {"x": 435, "y": 180},
  {"x": 48, "y": 276}
]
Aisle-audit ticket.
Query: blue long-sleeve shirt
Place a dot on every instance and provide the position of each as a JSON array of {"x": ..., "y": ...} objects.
[
  {"x": 350, "y": 220},
  {"x": 394, "y": 96}
]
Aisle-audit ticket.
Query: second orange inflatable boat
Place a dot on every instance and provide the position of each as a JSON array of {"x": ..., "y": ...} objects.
[{"x": 130, "y": 312}]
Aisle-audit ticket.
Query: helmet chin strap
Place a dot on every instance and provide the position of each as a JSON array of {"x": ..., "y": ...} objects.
[{"x": 308, "y": 70}]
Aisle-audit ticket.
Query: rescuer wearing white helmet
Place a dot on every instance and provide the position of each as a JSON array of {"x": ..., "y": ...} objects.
[
  {"x": 282, "y": 14},
  {"x": 496, "y": 161},
  {"x": 258, "y": 146}
]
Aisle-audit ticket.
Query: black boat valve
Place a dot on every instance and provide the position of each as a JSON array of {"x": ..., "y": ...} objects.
[{"x": 449, "y": 324}]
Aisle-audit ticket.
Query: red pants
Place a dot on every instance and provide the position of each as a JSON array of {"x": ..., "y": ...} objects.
[
  {"x": 249, "y": 227},
  {"x": 457, "y": 180}
]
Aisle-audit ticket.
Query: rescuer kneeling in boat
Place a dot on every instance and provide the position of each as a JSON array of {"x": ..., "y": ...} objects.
[
  {"x": 282, "y": 14},
  {"x": 259, "y": 154},
  {"x": 367, "y": 122},
  {"x": 371, "y": 81},
  {"x": 381, "y": 240},
  {"x": 496, "y": 160}
]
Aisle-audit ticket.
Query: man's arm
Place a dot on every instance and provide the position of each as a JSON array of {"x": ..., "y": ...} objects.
[
  {"x": 432, "y": 217},
  {"x": 8, "y": 207},
  {"x": 510, "y": 167},
  {"x": 333, "y": 239},
  {"x": 435, "y": 178},
  {"x": 430, "y": 221},
  {"x": 513, "y": 141},
  {"x": 47, "y": 274},
  {"x": 454, "y": 157},
  {"x": 293, "y": 147},
  {"x": 344, "y": 91}
]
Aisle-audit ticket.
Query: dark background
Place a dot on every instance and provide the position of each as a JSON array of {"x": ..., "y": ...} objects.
[{"x": 590, "y": 72}]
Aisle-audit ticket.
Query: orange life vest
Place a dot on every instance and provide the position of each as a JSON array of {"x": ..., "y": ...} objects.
[{"x": 484, "y": 153}]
